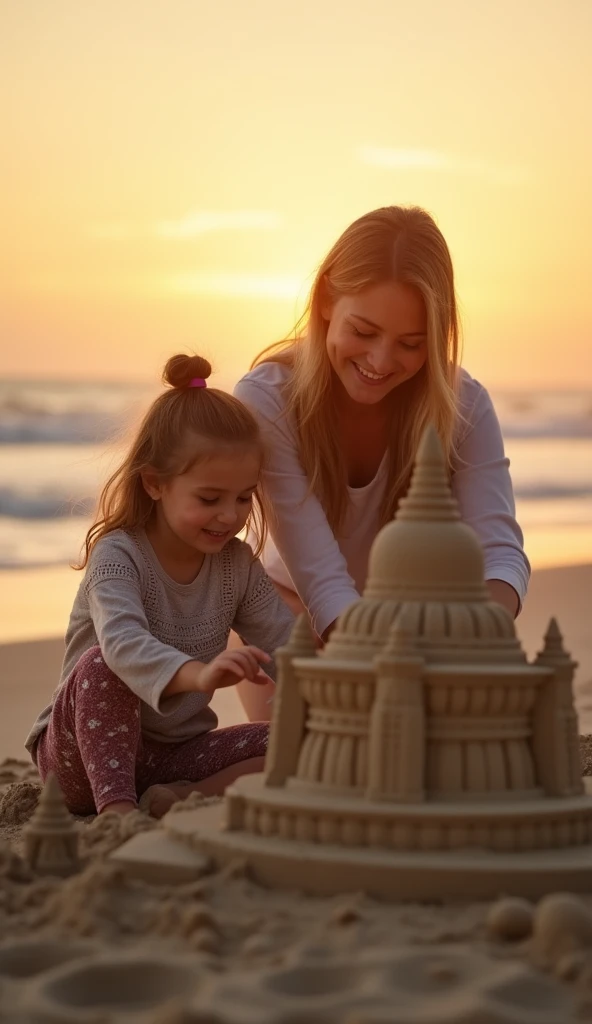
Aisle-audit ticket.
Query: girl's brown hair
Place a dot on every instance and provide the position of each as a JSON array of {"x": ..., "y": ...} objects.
[
  {"x": 182, "y": 426},
  {"x": 393, "y": 243}
]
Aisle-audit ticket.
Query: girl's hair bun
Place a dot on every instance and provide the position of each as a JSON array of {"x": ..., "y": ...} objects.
[{"x": 181, "y": 369}]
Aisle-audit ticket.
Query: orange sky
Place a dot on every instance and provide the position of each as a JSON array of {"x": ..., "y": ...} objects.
[{"x": 173, "y": 172}]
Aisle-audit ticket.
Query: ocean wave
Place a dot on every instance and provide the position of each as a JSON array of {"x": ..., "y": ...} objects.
[
  {"x": 552, "y": 491},
  {"x": 57, "y": 430},
  {"x": 75, "y": 413},
  {"x": 60, "y": 502},
  {"x": 35, "y": 412},
  {"x": 18, "y": 504},
  {"x": 28, "y": 544},
  {"x": 564, "y": 430},
  {"x": 545, "y": 414}
]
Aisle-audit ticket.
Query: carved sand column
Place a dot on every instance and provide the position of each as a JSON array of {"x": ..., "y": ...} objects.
[
  {"x": 396, "y": 748},
  {"x": 289, "y": 707},
  {"x": 555, "y": 725}
]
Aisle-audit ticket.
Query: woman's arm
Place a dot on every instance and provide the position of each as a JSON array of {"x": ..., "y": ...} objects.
[
  {"x": 482, "y": 486},
  {"x": 300, "y": 530}
]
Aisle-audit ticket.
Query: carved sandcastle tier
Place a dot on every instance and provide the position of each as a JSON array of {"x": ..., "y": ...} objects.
[{"x": 419, "y": 755}]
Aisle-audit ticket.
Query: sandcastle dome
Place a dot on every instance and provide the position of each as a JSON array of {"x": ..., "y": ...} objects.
[{"x": 429, "y": 559}]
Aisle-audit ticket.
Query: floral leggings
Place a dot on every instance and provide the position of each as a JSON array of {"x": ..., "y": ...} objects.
[{"x": 98, "y": 753}]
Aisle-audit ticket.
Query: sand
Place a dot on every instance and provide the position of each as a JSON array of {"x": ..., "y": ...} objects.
[{"x": 104, "y": 948}]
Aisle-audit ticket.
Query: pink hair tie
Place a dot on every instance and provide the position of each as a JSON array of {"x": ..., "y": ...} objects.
[{"x": 197, "y": 382}]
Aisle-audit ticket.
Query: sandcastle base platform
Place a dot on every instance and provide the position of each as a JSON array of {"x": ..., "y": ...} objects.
[{"x": 327, "y": 869}]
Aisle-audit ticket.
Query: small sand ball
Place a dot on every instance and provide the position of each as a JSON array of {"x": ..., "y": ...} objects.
[
  {"x": 562, "y": 923},
  {"x": 344, "y": 915},
  {"x": 510, "y": 919}
]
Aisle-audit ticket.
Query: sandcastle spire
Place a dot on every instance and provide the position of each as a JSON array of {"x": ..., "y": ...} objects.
[
  {"x": 429, "y": 495},
  {"x": 288, "y": 711},
  {"x": 51, "y": 836},
  {"x": 553, "y": 651},
  {"x": 427, "y": 553},
  {"x": 301, "y": 641}
]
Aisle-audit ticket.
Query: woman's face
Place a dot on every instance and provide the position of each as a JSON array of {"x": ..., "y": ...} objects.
[{"x": 376, "y": 339}]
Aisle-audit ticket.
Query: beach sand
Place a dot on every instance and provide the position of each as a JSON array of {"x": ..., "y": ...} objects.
[{"x": 104, "y": 948}]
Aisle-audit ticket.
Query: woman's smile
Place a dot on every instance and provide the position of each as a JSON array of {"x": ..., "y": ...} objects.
[{"x": 369, "y": 376}]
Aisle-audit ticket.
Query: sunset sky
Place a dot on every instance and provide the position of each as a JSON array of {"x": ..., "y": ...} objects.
[{"x": 172, "y": 173}]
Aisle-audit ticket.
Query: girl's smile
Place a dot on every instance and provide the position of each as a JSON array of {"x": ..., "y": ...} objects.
[{"x": 197, "y": 512}]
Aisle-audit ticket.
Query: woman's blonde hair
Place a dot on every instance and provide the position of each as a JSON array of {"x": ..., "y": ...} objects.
[
  {"x": 389, "y": 244},
  {"x": 184, "y": 425}
]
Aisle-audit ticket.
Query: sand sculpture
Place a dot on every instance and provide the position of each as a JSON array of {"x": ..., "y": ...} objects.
[
  {"x": 51, "y": 836},
  {"x": 418, "y": 755}
]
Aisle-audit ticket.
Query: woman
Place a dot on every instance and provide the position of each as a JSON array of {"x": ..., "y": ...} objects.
[{"x": 343, "y": 406}]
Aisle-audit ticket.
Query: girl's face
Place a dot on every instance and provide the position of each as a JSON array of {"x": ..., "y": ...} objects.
[
  {"x": 202, "y": 509},
  {"x": 376, "y": 339}
]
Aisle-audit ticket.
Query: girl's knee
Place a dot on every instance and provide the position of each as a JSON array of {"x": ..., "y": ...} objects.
[{"x": 90, "y": 661}]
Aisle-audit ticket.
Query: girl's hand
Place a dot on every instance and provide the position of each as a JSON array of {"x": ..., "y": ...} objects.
[{"x": 232, "y": 666}]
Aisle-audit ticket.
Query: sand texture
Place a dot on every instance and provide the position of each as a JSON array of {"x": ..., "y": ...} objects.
[{"x": 103, "y": 948}]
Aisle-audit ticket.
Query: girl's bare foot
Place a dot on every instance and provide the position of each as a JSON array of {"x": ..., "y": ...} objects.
[
  {"x": 119, "y": 807},
  {"x": 157, "y": 800}
]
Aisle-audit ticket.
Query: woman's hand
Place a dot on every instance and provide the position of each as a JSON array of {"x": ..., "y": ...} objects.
[
  {"x": 231, "y": 666},
  {"x": 325, "y": 636},
  {"x": 505, "y": 595}
]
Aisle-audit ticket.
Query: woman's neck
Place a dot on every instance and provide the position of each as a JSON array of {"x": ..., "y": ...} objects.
[
  {"x": 363, "y": 433},
  {"x": 349, "y": 410}
]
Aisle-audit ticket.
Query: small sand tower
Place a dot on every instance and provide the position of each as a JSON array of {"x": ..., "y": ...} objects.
[
  {"x": 418, "y": 755},
  {"x": 51, "y": 836}
]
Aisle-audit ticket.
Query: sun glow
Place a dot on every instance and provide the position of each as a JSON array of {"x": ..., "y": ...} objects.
[{"x": 193, "y": 190}]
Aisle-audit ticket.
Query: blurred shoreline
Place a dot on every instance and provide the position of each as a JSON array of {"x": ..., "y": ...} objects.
[
  {"x": 59, "y": 442},
  {"x": 55, "y": 450},
  {"x": 35, "y": 606}
]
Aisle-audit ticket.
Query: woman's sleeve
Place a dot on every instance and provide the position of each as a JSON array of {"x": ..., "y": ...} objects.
[
  {"x": 300, "y": 530},
  {"x": 482, "y": 486}
]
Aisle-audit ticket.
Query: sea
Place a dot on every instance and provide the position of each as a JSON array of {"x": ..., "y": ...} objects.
[{"x": 59, "y": 441}]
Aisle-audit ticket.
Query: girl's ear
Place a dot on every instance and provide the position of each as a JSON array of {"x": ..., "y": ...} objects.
[{"x": 152, "y": 483}]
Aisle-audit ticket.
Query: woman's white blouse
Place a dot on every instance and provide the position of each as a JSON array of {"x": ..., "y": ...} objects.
[{"x": 329, "y": 572}]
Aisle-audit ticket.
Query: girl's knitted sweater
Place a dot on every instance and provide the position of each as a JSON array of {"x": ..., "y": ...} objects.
[{"x": 147, "y": 625}]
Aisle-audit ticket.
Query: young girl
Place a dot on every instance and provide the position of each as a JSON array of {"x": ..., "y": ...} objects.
[{"x": 166, "y": 579}]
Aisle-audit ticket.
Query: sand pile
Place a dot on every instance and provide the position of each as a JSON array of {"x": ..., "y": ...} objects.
[{"x": 102, "y": 947}]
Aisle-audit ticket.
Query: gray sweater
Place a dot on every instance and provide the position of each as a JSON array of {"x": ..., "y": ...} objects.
[{"x": 147, "y": 625}]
